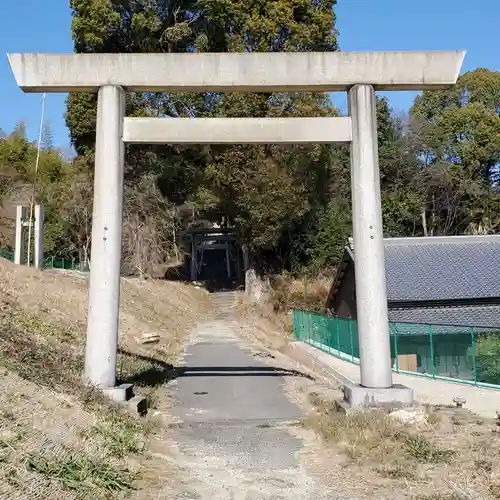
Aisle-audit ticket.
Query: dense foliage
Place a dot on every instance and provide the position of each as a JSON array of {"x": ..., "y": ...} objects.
[
  {"x": 487, "y": 359},
  {"x": 268, "y": 193},
  {"x": 55, "y": 176},
  {"x": 289, "y": 204},
  {"x": 65, "y": 190}
]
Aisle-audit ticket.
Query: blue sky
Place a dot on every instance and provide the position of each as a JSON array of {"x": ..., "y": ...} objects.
[{"x": 29, "y": 26}]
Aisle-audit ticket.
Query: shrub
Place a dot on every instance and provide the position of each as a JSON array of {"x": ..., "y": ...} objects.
[
  {"x": 488, "y": 359},
  {"x": 303, "y": 293}
]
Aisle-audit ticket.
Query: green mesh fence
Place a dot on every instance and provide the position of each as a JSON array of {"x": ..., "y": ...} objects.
[
  {"x": 60, "y": 263},
  {"x": 7, "y": 254},
  {"x": 52, "y": 262},
  {"x": 466, "y": 354}
]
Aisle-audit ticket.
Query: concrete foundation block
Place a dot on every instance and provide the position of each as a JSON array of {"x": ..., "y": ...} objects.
[
  {"x": 120, "y": 393},
  {"x": 356, "y": 396},
  {"x": 138, "y": 405}
]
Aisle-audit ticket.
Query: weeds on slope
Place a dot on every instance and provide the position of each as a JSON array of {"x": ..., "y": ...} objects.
[
  {"x": 46, "y": 413},
  {"x": 81, "y": 473},
  {"x": 371, "y": 435},
  {"x": 52, "y": 356},
  {"x": 43, "y": 454},
  {"x": 450, "y": 454},
  {"x": 82, "y": 443}
]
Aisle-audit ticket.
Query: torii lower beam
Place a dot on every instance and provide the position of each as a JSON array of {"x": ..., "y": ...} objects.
[{"x": 237, "y": 130}]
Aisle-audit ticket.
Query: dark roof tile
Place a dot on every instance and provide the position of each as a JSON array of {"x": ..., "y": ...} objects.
[
  {"x": 439, "y": 268},
  {"x": 485, "y": 316}
]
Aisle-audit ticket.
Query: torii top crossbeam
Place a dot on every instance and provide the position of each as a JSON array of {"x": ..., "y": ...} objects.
[{"x": 237, "y": 72}]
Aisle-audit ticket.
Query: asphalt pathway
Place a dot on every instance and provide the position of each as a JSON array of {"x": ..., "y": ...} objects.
[{"x": 234, "y": 416}]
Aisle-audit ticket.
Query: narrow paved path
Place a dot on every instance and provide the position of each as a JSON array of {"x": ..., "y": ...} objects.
[{"x": 233, "y": 441}]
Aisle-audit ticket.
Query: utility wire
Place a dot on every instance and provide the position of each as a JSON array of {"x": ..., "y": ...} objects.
[{"x": 33, "y": 193}]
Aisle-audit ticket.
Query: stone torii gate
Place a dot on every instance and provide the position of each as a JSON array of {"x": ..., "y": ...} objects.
[{"x": 358, "y": 73}]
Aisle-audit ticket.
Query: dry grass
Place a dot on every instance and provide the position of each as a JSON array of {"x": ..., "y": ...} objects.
[
  {"x": 452, "y": 454},
  {"x": 46, "y": 449},
  {"x": 57, "y": 301},
  {"x": 258, "y": 322},
  {"x": 271, "y": 324},
  {"x": 59, "y": 439},
  {"x": 372, "y": 436},
  {"x": 60, "y": 297},
  {"x": 305, "y": 293}
]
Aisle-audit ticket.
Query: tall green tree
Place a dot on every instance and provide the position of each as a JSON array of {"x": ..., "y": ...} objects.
[
  {"x": 17, "y": 175},
  {"x": 461, "y": 126},
  {"x": 263, "y": 190},
  {"x": 47, "y": 136},
  {"x": 456, "y": 135}
]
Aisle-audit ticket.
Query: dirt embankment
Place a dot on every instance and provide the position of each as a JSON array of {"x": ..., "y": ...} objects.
[
  {"x": 57, "y": 438},
  {"x": 61, "y": 440}
]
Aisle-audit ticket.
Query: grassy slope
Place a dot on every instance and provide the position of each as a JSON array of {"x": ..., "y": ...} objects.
[{"x": 58, "y": 439}]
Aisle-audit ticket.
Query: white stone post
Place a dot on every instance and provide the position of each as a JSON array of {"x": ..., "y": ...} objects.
[
  {"x": 19, "y": 243},
  {"x": 39, "y": 218},
  {"x": 371, "y": 295},
  {"x": 104, "y": 286}
]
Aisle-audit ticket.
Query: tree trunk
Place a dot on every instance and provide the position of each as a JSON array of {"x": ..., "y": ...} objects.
[{"x": 424, "y": 222}]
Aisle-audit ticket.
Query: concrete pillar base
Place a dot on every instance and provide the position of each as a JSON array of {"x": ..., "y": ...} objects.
[
  {"x": 120, "y": 393},
  {"x": 356, "y": 396},
  {"x": 138, "y": 405}
]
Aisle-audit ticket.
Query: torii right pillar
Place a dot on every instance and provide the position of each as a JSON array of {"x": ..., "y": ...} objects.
[{"x": 376, "y": 387}]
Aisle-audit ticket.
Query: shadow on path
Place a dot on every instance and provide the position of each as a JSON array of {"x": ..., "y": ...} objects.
[{"x": 157, "y": 372}]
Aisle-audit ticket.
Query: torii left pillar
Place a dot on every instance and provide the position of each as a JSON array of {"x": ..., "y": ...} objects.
[{"x": 105, "y": 260}]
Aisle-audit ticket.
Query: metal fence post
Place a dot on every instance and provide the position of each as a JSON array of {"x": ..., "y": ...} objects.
[
  {"x": 304, "y": 327},
  {"x": 337, "y": 329},
  {"x": 352, "y": 340},
  {"x": 473, "y": 345},
  {"x": 308, "y": 322},
  {"x": 314, "y": 333},
  {"x": 329, "y": 330},
  {"x": 432, "y": 352},
  {"x": 299, "y": 325},
  {"x": 298, "y": 331},
  {"x": 396, "y": 347}
]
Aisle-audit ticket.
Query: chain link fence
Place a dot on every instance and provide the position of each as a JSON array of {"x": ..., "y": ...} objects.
[
  {"x": 464, "y": 354},
  {"x": 52, "y": 262}
]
